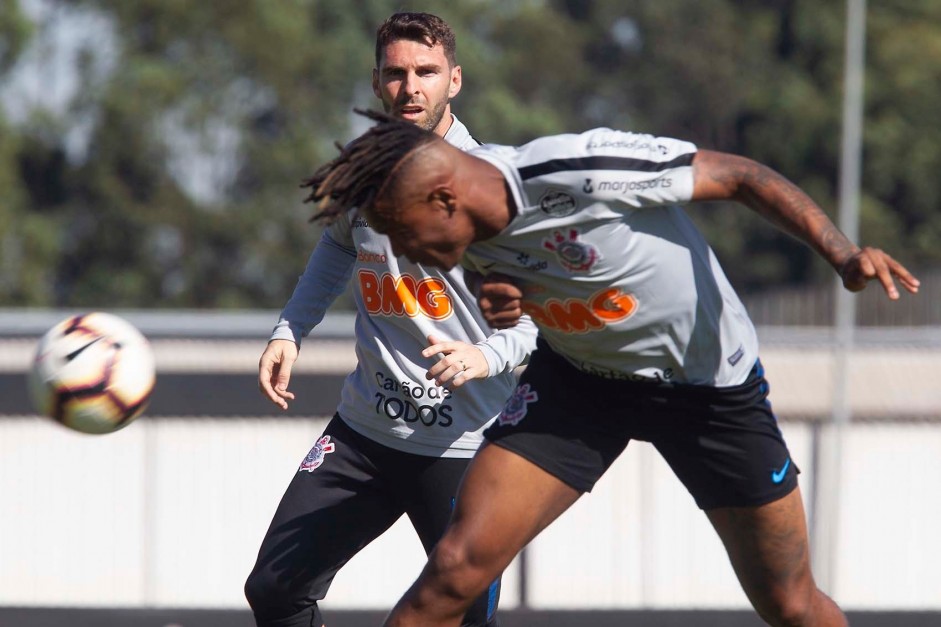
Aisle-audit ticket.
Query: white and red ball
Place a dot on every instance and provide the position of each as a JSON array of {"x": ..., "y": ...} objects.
[{"x": 93, "y": 373}]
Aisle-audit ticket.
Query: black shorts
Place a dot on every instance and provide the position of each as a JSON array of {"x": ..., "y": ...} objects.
[{"x": 722, "y": 442}]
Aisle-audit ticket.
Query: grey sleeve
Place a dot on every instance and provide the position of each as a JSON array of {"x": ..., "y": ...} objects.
[
  {"x": 326, "y": 276},
  {"x": 508, "y": 348}
]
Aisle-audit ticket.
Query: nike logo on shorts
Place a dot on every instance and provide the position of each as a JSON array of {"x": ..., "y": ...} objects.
[{"x": 777, "y": 476}]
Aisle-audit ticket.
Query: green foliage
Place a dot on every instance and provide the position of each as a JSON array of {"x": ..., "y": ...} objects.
[
  {"x": 15, "y": 33},
  {"x": 212, "y": 112}
]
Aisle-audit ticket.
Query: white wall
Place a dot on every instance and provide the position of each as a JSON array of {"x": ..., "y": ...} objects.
[{"x": 170, "y": 512}]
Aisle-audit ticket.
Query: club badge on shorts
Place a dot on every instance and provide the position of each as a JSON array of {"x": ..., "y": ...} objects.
[
  {"x": 517, "y": 404},
  {"x": 316, "y": 455}
]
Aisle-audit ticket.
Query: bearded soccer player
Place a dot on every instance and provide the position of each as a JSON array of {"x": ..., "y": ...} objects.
[
  {"x": 641, "y": 337},
  {"x": 399, "y": 443}
]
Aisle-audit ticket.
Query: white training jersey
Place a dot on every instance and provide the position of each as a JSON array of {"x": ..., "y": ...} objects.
[
  {"x": 398, "y": 305},
  {"x": 617, "y": 278}
]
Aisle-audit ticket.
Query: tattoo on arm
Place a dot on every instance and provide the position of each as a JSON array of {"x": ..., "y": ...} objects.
[{"x": 721, "y": 176}]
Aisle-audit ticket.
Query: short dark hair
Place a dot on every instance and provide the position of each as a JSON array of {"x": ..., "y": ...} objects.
[
  {"x": 364, "y": 167},
  {"x": 422, "y": 27}
]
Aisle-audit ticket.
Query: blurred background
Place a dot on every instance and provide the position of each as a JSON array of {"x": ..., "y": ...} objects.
[{"x": 150, "y": 157}]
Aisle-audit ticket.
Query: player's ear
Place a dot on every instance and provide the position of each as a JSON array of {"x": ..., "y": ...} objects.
[
  {"x": 455, "y": 87},
  {"x": 443, "y": 197},
  {"x": 375, "y": 83}
]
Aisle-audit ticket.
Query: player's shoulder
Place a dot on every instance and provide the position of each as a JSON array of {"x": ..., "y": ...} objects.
[
  {"x": 555, "y": 152},
  {"x": 601, "y": 141},
  {"x": 459, "y": 136},
  {"x": 637, "y": 145}
]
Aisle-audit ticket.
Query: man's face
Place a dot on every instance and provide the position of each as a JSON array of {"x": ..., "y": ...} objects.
[
  {"x": 414, "y": 82},
  {"x": 421, "y": 229}
]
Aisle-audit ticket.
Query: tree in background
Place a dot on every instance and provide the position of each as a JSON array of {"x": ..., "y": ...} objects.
[
  {"x": 26, "y": 249},
  {"x": 760, "y": 79},
  {"x": 196, "y": 121}
]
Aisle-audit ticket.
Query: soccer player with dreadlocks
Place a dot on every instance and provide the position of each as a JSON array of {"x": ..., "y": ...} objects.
[
  {"x": 399, "y": 443},
  {"x": 641, "y": 337}
]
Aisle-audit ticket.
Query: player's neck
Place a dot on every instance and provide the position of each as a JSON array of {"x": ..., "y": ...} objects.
[
  {"x": 488, "y": 199},
  {"x": 445, "y": 124}
]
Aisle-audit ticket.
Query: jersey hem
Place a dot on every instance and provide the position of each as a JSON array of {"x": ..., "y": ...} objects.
[{"x": 399, "y": 444}]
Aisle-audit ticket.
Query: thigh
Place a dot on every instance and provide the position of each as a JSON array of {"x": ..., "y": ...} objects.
[
  {"x": 430, "y": 502},
  {"x": 768, "y": 547},
  {"x": 503, "y": 503},
  {"x": 724, "y": 444},
  {"x": 334, "y": 506}
]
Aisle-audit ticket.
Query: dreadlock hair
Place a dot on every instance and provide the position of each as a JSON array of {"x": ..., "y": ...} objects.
[{"x": 365, "y": 166}]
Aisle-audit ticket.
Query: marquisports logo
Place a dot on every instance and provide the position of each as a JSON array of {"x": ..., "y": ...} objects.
[
  {"x": 575, "y": 315},
  {"x": 517, "y": 405},
  {"x": 557, "y": 204},
  {"x": 627, "y": 187},
  {"x": 315, "y": 456},
  {"x": 575, "y": 256},
  {"x": 404, "y": 295}
]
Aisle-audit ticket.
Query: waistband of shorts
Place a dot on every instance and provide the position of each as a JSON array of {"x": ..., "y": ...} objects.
[{"x": 755, "y": 375}]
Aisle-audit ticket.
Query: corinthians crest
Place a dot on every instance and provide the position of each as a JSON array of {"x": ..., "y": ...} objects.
[
  {"x": 574, "y": 255},
  {"x": 517, "y": 404},
  {"x": 317, "y": 453}
]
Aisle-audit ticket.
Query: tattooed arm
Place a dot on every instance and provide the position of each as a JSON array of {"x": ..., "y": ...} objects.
[{"x": 721, "y": 176}]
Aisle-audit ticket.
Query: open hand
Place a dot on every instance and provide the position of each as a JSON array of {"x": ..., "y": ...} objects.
[
  {"x": 872, "y": 263},
  {"x": 274, "y": 371},
  {"x": 461, "y": 362}
]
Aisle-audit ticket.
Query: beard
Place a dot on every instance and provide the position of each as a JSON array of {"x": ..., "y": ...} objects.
[{"x": 431, "y": 118}]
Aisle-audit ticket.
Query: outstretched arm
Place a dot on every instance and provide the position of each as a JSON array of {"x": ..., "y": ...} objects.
[{"x": 722, "y": 176}]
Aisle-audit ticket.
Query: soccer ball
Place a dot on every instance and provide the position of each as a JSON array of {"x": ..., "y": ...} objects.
[{"x": 93, "y": 373}]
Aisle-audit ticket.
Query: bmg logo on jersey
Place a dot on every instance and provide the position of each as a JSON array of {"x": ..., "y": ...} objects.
[
  {"x": 575, "y": 315},
  {"x": 315, "y": 457},
  {"x": 404, "y": 295},
  {"x": 575, "y": 256}
]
